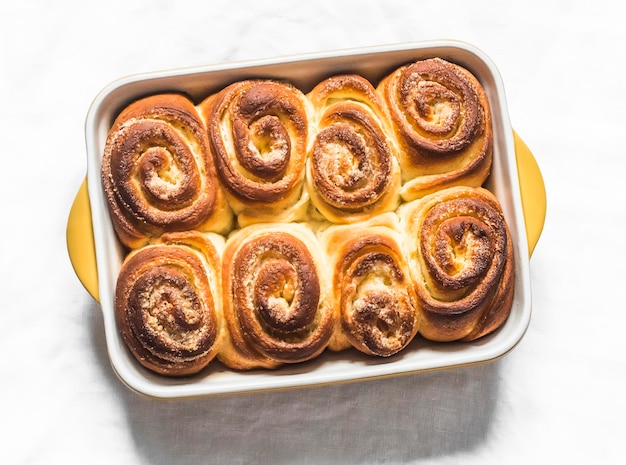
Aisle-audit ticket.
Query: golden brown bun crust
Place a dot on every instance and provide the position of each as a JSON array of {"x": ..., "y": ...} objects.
[
  {"x": 276, "y": 299},
  {"x": 168, "y": 306},
  {"x": 462, "y": 262},
  {"x": 258, "y": 131},
  {"x": 376, "y": 308},
  {"x": 387, "y": 176},
  {"x": 158, "y": 174},
  {"x": 352, "y": 172},
  {"x": 442, "y": 120}
]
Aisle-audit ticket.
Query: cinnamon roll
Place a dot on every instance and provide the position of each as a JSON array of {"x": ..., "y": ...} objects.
[
  {"x": 352, "y": 172},
  {"x": 168, "y": 304},
  {"x": 158, "y": 174},
  {"x": 442, "y": 123},
  {"x": 276, "y": 299},
  {"x": 373, "y": 292},
  {"x": 258, "y": 131},
  {"x": 461, "y": 253}
]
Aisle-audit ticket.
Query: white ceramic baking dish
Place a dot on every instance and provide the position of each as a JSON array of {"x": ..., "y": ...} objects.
[{"x": 305, "y": 72}]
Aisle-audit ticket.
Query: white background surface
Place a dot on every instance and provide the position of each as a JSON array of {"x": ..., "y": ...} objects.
[{"x": 558, "y": 396}]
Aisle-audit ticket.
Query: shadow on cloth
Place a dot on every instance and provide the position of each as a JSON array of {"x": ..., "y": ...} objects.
[{"x": 394, "y": 420}]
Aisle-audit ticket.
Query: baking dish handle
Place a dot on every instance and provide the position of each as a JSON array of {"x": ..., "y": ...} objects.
[
  {"x": 82, "y": 252},
  {"x": 532, "y": 190},
  {"x": 80, "y": 243}
]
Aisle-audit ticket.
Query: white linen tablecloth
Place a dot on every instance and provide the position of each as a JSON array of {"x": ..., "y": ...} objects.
[{"x": 557, "y": 397}]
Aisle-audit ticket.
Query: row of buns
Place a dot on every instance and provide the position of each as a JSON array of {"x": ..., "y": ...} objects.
[
  {"x": 261, "y": 150},
  {"x": 278, "y": 293},
  {"x": 264, "y": 226}
]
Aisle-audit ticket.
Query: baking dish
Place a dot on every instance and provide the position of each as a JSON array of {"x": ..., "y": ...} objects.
[{"x": 97, "y": 256}]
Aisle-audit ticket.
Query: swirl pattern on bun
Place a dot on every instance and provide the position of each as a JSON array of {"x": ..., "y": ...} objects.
[
  {"x": 158, "y": 173},
  {"x": 375, "y": 305},
  {"x": 276, "y": 298},
  {"x": 168, "y": 304},
  {"x": 352, "y": 171},
  {"x": 442, "y": 123},
  {"x": 258, "y": 131},
  {"x": 462, "y": 261}
]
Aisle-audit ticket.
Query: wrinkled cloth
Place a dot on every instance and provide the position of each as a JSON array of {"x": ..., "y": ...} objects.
[{"x": 557, "y": 396}]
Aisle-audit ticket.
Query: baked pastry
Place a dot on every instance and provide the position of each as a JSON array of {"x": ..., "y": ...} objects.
[
  {"x": 352, "y": 172},
  {"x": 405, "y": 240},
  {"x": 276, "y": 298},
  {"x": 168, "y": 303},
  {"x": 375, "y": 303},
  {"x": 442, "y": 121},
  {"x": 258, "y": 131},
  {"x": 461, "y": 255},
  {"x": 158, "y": 174}
]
